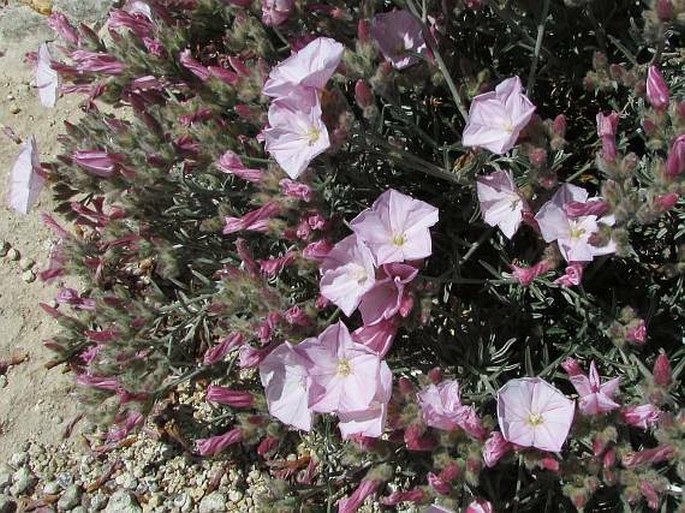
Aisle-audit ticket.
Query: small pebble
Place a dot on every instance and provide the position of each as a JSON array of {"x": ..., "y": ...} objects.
[
  {"x": 15, "y": 109},
  {"x": 70, "y": 498},
  {"x": 7, "y": 505},
  {"x": 4, "y": 248},
  {"x": 13, "y": 254},
  {"x": 26, "y": 263},
  {"x": 3, "y": 384},
  {"x": 28, "y": 276},
  {"x": 23, "y": 481},
  {"x": 19, "y": 459}
]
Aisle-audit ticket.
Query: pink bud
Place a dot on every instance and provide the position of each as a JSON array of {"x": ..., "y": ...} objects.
[
  {"x": 416, "y": 495},
  {"x": 559, "y": 125},
  {"x": 365, "y": 489},
  {"x": 572, "y": 367},
  {"x": 526, "y": 275},
  {"x": 60, "y": 24},
  {"x": 219, "y": 352},
  {"x": 97, "y": 162},
  {"x": 664, "y": 10},
  {"x": 364, "y": 31},
  {"x": 363, "y": 94},
  {"x": 234, "y": 398},
  {"x": 666, "y": 202},
  {"x": 675, "y": 163},
  {"x": 658, "y": 94},
  {"x": 573, "y": 275},
  {"x": 595, "y": 207},
  {"x": 406, "y": 387},
  {"x": 416, "y": 440},
  {"x": 438, "y": 484},
  {"x": 606, "y": 130},
  {"x": 193, "y": 65},
  {"x": 435, "y": 375},
  {"x": 637, "y": 332},
  {"x": 609, "y": 459},
  {"x": 267, "y": 445},
  {"x": 662, "y": 370},
  {"x": 650, "y": 494},
  {"x": 276, "y": 12},
  {"x": 648, "y": 456},
  {"x": 550, "y": 463},
  {"x": 215, "y": 444},
  {"x": 538, "y": 157},
  {"x": 94, "y": 62}
]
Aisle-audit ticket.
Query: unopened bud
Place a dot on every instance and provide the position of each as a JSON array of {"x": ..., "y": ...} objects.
[
  {"x": 599, "y": 61},
  {"x": 559, "y": 126},
  {"x": 363, "y": 94},
  {"x": 435, "y": 375},
  {"x": 675, "y": 163},
  {"x": 664, "y": 10},
  {"x": 662, "y": 370},
  {"x": 572, "y": 367},
  {"x": 363, "y": 31},
  {"x": 658, "y": 94}
]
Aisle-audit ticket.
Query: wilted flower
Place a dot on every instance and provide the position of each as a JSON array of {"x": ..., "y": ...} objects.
[
  {"x": 495, "y": 448},
  {"x": 399, "y": 36},
  {"x": 286, "y": 385},
  {"x": 594, "y": 397},
  {"x": 532, "y": 413},
  {"x": 441, "y": 408},
  {"x": 47, "y": 79},
  {"x": 311, "y": 67},
  {"x": 501, "y": 202},
  {"x": 230, "y": 162},
  {"x": 396, "y": 227},
  {"x": 642, "y": 416},
  {"x": 573, "y": 274},
  {"x": 26, "y": 178},
  {"x": 347, "y": 273},
  {"x": 496, "y": 118},
  {"x": 276, "y": 12},
  {"x": 296, "y": 132},
  {"x": 657, "y": 89},
  {"x": 572, "y": 234},
  {"x": 526, "y": 275}
]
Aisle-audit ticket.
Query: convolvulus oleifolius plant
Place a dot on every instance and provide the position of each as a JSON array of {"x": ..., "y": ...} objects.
[{"x": 436, "y": 248}]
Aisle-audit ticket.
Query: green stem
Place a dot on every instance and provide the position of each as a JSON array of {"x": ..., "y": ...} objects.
[{"x": 538, "y": 47}]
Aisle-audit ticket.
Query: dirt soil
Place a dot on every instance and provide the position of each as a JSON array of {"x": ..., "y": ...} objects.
[{"x": 35, "y": 403}]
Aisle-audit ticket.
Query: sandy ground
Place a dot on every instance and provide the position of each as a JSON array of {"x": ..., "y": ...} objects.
[{"x": 35, "y": 403}]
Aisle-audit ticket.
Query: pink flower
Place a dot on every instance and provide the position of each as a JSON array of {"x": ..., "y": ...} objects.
[
  {"x": 311, "y": 67},
  {"x": 366, "y": 488},
  {"x": 296, "y": 133},
  {"x": 572, "y": 234},
  {"x": 649, "y": 456},
  {"x": 47, "y": 79},
  {"x": 97, "y": 162},
  {"x": 642, "y": 416},
  {"x": 637, "y": 332},
  {"x": 216, "y": 444},
  {"x": 138, "y": 24},
  {"x": 256, "y": 220},
  {"x": 595, "y": 398},
  {"x": 234, "y": 398},
  {"x": 479, "y": 506},
  {"x": 276, "y": 12},
  {"x": 658, "y": 94},
  {"x": 593, "y": 207},
  {"x": 275, "y": 265},
  {"x": 318, "y": 250},
  {"x": 377, "y": 337},
  {"x": 573, "y": 275},
  {"x": 388, "y": 297},
  {"x": 286, "y": 386},
  {"x": 675, "y": 163},
  {"x": 495, "y": 448},
  {"x": 572, "y": 367},
  {"x": 501, "y": 202},
  {"x": 496, "y": 118},
  {"x": 532, "y": 413},
  {"x": 369, "y": 422},
  {"x": 230, "y": 162},
  {"x": 606, "y": 130},
  {"x": 399, "y": 36},
  {"x": 396, "y": 227},
  {"x": 347, "y": 274},
  {"x": 441, "y": 408},
  {"x": 345, "y": 376},
  {"x": 26, "y": 178}
]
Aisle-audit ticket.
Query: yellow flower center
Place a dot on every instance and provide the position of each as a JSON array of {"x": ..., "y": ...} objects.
[
  {"x": 535, "y": 419},
  {"x": 399, "y": 239},
  {"x": 344, "y": 367},
  {"x": 313, "y": 135},
  {"x": 577, "y": 232}
]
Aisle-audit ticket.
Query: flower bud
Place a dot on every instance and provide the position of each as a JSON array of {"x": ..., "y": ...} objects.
[
  {"x": 666, "y": 202},
  {"x": 559, "y": 126},
  {"x": 572, "y": 367},
  {"x": 599, "y": 61},
  {"x": 234, "y": 398},
  {"x": 479, "y": 506},
  {"x": 435, "y": 375},
  {"x": 364, "y": 31},
  {"x": 662, "y": 370},
  {"x": 637, "y": 332},
  {"x": 675, "y": 163},
  {"x": 363, "y": 94},
  {"x": 658, "y": 94},
  {"x": 664, "y": 10}
]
